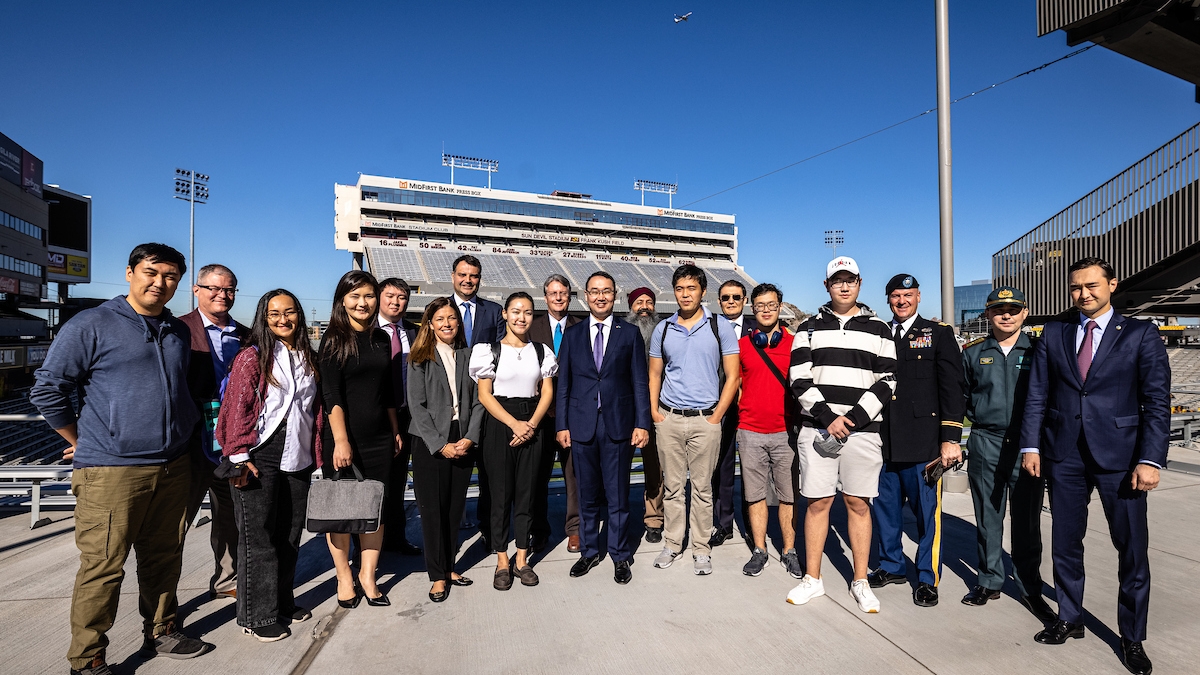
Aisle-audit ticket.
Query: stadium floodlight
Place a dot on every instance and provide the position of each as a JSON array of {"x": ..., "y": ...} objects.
[
  {"x": 474, "y": 163},
  {"x": 191, "y": 187},
  {"x": 834, "y": 239},
  {"x": 644, "y": 186}
]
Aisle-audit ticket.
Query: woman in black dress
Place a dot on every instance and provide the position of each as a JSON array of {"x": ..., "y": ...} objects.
[{"x": 354, "y": 362}]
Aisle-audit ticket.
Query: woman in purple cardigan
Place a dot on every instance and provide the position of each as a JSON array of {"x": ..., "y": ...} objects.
[{"x": 269, "y": 429}]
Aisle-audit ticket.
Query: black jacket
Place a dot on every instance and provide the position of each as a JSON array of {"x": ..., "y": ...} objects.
[{"x": 928, "y": 406}]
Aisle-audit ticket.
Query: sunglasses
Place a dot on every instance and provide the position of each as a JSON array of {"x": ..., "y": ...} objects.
[{"x": 727, "y": 298}]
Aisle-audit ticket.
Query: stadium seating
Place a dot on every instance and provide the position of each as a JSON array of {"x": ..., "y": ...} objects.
[
  {"x": 539, "y": 269},
  {"x": 27, "y": 442},
  {"x": 395, "y": 262}
]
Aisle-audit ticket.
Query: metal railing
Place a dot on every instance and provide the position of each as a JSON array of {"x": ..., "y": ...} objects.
[{"x": 1136, "y": 219}]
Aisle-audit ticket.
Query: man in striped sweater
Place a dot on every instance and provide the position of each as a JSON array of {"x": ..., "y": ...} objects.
[{"x": 843, "y": 367}]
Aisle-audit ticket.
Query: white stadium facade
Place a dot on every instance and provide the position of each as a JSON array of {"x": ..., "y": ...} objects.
[{"x": 415, "y": 229}]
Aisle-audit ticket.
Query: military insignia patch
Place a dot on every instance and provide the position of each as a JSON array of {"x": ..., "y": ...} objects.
[
  {"x": 1004, "y": 294},
  {"x": 923, "y": 342},
  {"x": 986, "y": 360}
]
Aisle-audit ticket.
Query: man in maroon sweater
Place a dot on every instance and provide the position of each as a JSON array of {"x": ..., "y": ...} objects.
[{"x": 216, "y": 339}]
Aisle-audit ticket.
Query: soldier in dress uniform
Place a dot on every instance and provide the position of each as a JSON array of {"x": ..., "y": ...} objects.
[
  {"x": 997, "y": 377},
  {"x": 923, "y": 423}
]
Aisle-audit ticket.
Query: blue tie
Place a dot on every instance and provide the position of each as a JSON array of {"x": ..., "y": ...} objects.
[
  {"x": 557, "y": 337},
  {"x": 468, "y": 324}
]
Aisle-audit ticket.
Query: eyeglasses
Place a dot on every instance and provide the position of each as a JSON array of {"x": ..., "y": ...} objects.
[
  {"x": 1006, "y": 309},
  {"x": 843, "y": 282},
  {"x": 286, "y": 314},
  {"x": 766, "y": 307},
  {"x": 727, "y": 298},
  {"x": 560, "y": 294},
  {"x": 218, "y": 290},
  {"x": 601, "y": 292}
]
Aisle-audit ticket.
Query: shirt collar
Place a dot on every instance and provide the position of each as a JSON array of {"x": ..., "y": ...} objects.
[
  {"x": 607, "y": 322},
  {"x": 705, "y": 314},
  {"x": 384, "y": 323},
  {"x": 1102, "y": 321},
  {"x": 555, "y": 322},
  {"x": 209, "y": 324},
  {"x": 906, "y": 324},
  {"x": 459, "y": 300}
]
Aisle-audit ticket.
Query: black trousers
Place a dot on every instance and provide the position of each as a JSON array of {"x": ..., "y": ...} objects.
[
  {"x": 394, "y": 516},
  {"x": 512, "y": 474},
  {"x": 722, "y": 480},
  {"x": 441, "y": 487},
  {"x": 270, "y": 513}
]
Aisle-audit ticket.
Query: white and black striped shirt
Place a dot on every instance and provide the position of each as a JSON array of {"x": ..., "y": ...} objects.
[{"x": 843, "y": 366}]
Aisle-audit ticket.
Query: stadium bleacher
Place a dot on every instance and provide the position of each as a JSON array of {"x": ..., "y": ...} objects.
[
  {"x": 395, "y": 262},
  {"x": 25, "y": 443},
  {"x": 1185, "y": 372},
  {"x": 539, "y": 269}
]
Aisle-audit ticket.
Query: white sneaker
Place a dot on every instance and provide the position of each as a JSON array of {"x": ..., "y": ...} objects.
[
  {"x": 808, "y": 589},
  {"x": 664, "y": 559},
  {"x": 864, "y": 596}
]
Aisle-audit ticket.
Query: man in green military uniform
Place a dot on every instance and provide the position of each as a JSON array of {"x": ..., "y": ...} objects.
[{"x": 997, "y": 376}]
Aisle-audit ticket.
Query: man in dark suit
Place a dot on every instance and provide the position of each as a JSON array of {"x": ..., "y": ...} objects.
[
  {"x": 482, "y": 321},
  {"x": 603, "y": 412},
  {"x": 393, "y": 303},
  {"x": 1098, "y": 416},
  {"x": 923, "y": 423},
  {"x": 732, "y": 296},
  {"x": 216, "y": 339},
  {"x": 549, "y": 330}
]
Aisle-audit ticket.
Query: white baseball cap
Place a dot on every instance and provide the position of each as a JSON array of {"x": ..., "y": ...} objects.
[{"x": 840, "y": 263}]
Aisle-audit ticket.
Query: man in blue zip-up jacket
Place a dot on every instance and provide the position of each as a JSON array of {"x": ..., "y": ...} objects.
[{"x": 127, "y": 359}]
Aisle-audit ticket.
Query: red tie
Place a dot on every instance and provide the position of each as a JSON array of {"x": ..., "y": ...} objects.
[{"x": 1084, "y": 358}]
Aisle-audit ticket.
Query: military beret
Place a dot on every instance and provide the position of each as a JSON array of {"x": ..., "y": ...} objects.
[{"x": 899, "y": 281}]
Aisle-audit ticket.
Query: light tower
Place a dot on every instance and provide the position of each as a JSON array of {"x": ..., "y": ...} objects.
[
  {"x": 191, "y": 187},
  {"x": 834, "y": 240},
  {"x": 645, "y": 186},
  {"x": 491, "y": 166}
]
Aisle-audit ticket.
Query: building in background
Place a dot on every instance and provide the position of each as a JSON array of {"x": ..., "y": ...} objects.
[
  {"x": 415, "y": 229},
  {"x": 24, "y": 217},
  {"x": 969, "y": 303}
]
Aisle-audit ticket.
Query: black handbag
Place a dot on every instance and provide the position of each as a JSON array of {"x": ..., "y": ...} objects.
[{"x": 345, "y": 506}]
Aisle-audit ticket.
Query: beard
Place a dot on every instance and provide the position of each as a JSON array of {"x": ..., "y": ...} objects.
[{"x": 645, "y": 323}]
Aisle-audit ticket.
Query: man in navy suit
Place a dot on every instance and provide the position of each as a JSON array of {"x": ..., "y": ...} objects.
[
  {"x": 482, "y": 320},
  {"x": 393, "y": 303},
  {"x": 603, "y": 413},
  {"x": 1098, "y": 416}
]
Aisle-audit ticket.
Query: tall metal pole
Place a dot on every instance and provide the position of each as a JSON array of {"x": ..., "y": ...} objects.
[
  {"x": 192, "y": 238},
  {"x": 946, "y": 205}
]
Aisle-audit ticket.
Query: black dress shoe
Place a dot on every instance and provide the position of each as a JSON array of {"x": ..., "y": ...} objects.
[
  {"x": 1134, "y": 658},
  {"x": 719, "y": 536},
  {"x": 381, "y": 601},
  {"x": 654, "y": 534},
  {"x": 441, "y": 595},
  {"x": 1037, "y": 605},
  {"x": 461, "y": 581},
  {"x": 352, "y": 602},
  {"x": 880, "y": 578},
  {"x": 925, "y": 595},
  {"x": 1058, "y": 633},
  {"x": 979, "y": 596},
  {"x": 584, "y": 565},
  {"x": 622, "y": 574}
]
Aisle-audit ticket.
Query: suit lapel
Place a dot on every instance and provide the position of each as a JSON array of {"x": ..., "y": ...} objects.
[
  {"x": 1069, "y": 331},
  {"x": 461, "y": 363},
  {"x": 1111, "y": 335}
]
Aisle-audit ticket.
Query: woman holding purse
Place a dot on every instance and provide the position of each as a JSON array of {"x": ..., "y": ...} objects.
[
  {"x": 516, "y": 387},
  {"x": 355, "y": 365},
  {"x": 269, "y": 429},
  {"x": 446, "y": 420}
]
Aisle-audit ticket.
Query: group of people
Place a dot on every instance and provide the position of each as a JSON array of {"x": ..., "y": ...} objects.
[{"x": 176, "y": 408}]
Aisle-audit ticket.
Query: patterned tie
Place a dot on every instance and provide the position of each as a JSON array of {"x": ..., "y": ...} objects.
[
  {"x": 598, "y": 354},
  {"x": 400, "y": 379},
  {"x": 1084, "y": 358},
  {"x": 468, "y": 324},
  {"x": 557, "y": 337}
]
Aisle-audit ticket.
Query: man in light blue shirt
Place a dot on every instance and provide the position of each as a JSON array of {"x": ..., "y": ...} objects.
[{"x": 694, "y": 375}]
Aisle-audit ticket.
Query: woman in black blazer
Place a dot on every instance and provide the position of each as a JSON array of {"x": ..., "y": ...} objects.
[{"x": 445, "y": 426}]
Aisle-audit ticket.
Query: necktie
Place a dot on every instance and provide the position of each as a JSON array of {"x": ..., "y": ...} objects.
[
  {"x": 598, "y": 354},
  {"x": 557, "y": 337},
  {"x": 400, "y": 379},
  {"x": 1084, "y": 358},
  {"x": 897, "y": 332},
  {"x": 468, "y": 324}
]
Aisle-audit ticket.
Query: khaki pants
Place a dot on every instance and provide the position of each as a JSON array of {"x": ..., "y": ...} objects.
[
  {"x": 118, "y": 507},
  {"x": 688, "y": 447}
]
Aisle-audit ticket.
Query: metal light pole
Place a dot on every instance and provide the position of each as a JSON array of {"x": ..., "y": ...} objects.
[
  {"x": 191, "y": 187},
  {"x": 834, "y": 239},
  {"x": 946, "y": 205}
]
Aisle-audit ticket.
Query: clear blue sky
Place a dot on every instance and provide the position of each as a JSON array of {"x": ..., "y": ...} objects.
[{"x": 279, "y": 101}]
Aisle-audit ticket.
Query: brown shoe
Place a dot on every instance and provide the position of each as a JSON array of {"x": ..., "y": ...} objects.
[
  {"x": 217, "y": 595},
  {"x": 573, "y": 544},
  {"x": 527, "y": 575},
  {"x": 503, "y": 580}
]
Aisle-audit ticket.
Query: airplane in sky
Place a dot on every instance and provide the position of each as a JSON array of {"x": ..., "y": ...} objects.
[{"x": 679, "y": 18}]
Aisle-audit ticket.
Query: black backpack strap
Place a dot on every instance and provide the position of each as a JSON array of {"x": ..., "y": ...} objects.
[
  {"x": 662, "y": 348},
  {"x": 541, "y": 354},
  {"x": 495, "y": 357},
  {"x": 771, "y": 365},
  {"x": 712, "y": 322}
]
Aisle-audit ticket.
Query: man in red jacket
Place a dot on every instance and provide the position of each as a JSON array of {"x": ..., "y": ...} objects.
[
  {"x": 765, "y": 434},
  {"x": 216, "y": 339}
]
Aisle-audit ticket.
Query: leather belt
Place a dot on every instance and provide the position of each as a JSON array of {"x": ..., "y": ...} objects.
[{"x": 687, "y": 413}]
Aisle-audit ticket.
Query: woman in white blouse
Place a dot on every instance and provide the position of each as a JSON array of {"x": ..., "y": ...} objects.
[
  {"x": 516, "y": 388},
  {"x": 269, "y": 431}
]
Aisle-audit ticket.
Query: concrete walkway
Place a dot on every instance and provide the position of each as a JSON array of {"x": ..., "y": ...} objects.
[{"x": 665, "y": 621}]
